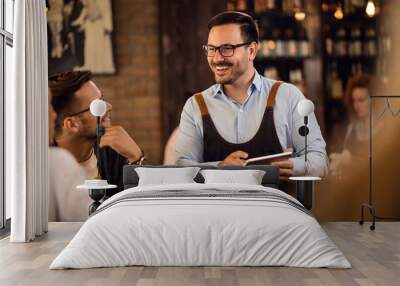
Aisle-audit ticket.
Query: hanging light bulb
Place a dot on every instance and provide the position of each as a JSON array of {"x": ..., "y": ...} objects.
[
  {"x": 339, "y": 12},
  {"x": 370, "y": 9},
  {"x": 300, "y": 15}
]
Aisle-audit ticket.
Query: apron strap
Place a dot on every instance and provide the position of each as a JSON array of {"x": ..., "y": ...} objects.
[
  {"x": 201, "y": 103},
  {"x": 272, "y": 94}
]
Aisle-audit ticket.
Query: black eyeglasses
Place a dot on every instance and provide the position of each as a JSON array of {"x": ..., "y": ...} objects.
[
  {"x": 224, "y": 50},
  {"x": 83, "y": 111}
]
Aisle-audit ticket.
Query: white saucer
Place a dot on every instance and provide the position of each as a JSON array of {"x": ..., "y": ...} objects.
[
  {"x": 305, "y": 178},
  {"x": 91, "y": 187},
  {"x": 96, "y": 184}
]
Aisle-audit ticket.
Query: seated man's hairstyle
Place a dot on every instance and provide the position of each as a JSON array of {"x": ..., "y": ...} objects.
[
  {"x": 248, "y": 27},
  {"x": 63, "y": 87}
]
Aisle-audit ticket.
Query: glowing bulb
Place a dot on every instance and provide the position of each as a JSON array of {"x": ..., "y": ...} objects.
[
  {"x": 370, "y": 9},
  {"x": 299, "y": 15},
  {"x": 338, "y": 13}
]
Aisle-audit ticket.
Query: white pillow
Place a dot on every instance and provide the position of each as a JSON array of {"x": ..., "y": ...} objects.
[
  {"x": 165, "y": 176},
  {"x": 248, "y": 177}
]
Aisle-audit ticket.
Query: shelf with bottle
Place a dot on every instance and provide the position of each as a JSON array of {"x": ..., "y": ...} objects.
[
  {"x": 284, "y": 43},
  {"x": 237, "y": 5},
  {"x": 292, "y": 73},
  {"x": 353, "y": 42},
  {"x": 284, "y": 9}
]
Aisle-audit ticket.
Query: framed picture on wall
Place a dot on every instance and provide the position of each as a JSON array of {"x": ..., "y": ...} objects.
[{"x": 80, "y": 36}]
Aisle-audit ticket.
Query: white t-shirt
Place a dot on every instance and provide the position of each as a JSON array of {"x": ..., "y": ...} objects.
[
  {"x": 66, "y": 202},
  {"x": 90, "y": 167}
]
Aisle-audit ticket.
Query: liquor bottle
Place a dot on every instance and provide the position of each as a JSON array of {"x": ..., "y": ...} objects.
[
  {"x": 382, "y": 71},
  {"x": 358, "y": 4},
  {"x": 355, "y": 44},
  {"x": 271, "y": 5},
  {"x": 263, "y": 5},
  {"x": 370, "y": 42},
  {"x": 297, "y": 4},
  {"x": 348, "y": 7},
  {"x": 269, "y": 47},
  {"x": 280, "y": 44},
  {"x": 231, "y": 5},
  {"x": 328, "y": 40},
  {"x": 287, "y": 7},
  {"x": 241, "y": 5},
  {"x": 258, "y": 6},
  {"x": 340, "y": 46},
  {"x": 296, "y": 78},
  {"x": 267, "y": 44},
  {"x": 385, "y": 39},
  {"x": 291, "y": 43},
  {"x": 336, "y": 84},
  {"x": 325, "y": 6},
  {"x": 356, "y": 69},
  {"x": 271, "y": 72},
  {"x": 304, "y": 43}
]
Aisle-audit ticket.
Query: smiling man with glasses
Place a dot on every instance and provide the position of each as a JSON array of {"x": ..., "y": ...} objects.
[
  {"x": 245, "y": 114},
  {"x": 75, "y": 129}
]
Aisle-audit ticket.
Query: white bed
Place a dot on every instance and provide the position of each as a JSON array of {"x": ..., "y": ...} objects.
[{"x": 222, "y": 225}]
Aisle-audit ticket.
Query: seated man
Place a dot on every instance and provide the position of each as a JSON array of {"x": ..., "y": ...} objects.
[
  {"x": 75, "y": 129},
  {"x": 66, "y": 203},
  {"x": 245, "y": 114}
]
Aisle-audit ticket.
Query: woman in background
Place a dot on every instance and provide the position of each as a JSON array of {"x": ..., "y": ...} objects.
[{"x": 356, "y": 143}]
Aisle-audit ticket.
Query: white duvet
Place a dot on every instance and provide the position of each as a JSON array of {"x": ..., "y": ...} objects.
[{"x": 183, "y": 231}]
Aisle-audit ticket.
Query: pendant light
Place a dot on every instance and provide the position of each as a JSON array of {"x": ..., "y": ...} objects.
[
  {"x": 339, "y": 12},
  {"x": 370, "y": 9}
]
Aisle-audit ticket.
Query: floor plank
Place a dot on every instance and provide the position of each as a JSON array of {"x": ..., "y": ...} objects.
[{"x": 375, "y": 257}]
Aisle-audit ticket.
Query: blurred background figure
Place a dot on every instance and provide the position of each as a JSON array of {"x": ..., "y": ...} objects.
[
  {"x": 170, "y": 146},
  {"x": 55, "y": 20},
  {"x": 169, "y": 152},
  {"x": 355, "y": 143},
  {"x": 96, "y": 20}
]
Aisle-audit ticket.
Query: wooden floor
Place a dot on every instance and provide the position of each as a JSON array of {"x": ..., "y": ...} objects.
[{"x": 375, "y": 256}]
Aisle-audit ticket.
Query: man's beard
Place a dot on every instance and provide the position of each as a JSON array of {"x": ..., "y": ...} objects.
[
  {"x": 235, "y": 73},
  {"x": 224, "y": 81},
  {"x": 88, "y": 133},
  {"x": 90, "y": 136}
]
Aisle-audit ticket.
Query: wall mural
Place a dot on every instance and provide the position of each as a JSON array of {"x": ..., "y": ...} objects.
[{"x": 80, "y": 36}]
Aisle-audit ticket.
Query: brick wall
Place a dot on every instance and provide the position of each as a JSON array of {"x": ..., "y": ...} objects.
[{"x": 134, "y": 91}]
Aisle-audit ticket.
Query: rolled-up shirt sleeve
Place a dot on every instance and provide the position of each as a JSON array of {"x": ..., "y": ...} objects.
[{"x": 189, "y": 147}]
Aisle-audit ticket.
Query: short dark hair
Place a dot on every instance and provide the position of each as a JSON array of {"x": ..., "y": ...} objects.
[
  {"x": 248, "y": 27},
  {"x": 63, "y": 87}
]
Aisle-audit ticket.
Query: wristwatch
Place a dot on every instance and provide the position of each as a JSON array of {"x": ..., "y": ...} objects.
[{"x": 139, "y": 161}]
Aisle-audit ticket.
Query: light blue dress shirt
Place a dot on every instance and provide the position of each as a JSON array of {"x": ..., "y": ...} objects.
[{"x": 238, "y": 123}]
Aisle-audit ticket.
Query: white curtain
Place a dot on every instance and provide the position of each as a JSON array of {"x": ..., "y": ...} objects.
[{"x": 26, "y": 117}]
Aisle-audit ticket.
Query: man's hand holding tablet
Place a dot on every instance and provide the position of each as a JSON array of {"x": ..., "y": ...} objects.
[{"x": 266, "y": 160}]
